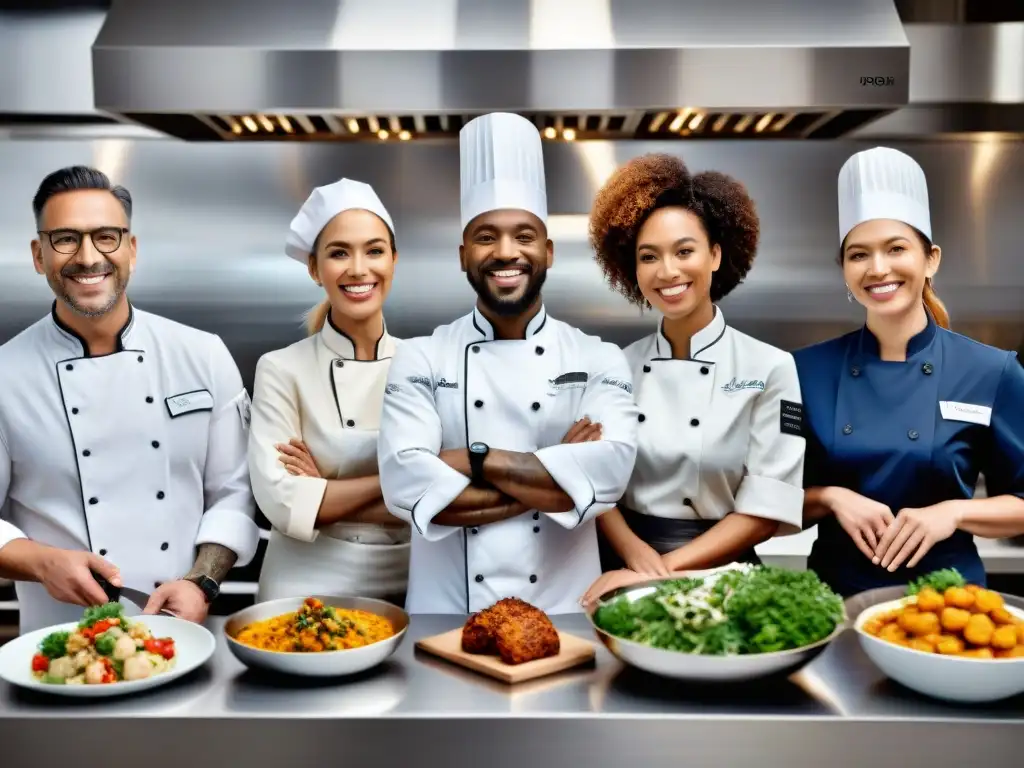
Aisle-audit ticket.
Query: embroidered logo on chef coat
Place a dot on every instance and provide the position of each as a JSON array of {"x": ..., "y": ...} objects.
[
  {"x": 624, "y": 385},
  {"x": 189, "y": 402},
  {"x": 739, "y": 384},
  {"x": 443, "y": 383},
  {"x": 391, "y": 389},
  {"x": 574, "y": 380},
  {"x": 422, "y": 381},
  {"x": 791, "y": 418}
]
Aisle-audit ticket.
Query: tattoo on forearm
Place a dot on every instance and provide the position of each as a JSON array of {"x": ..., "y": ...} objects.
[
  {"x": 213, "y": 560},
  {"x": 525, "y": 469},
  {"x": 468, "y": 518}
]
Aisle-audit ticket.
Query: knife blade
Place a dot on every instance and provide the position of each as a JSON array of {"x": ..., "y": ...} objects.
[{"x": 135, "y": 596}]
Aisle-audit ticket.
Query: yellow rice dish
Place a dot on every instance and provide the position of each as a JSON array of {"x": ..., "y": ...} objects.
[{"x": 314, "y": 628}]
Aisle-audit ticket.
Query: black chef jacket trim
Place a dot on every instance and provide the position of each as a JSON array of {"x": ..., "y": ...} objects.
[
  {"x": 412, "y": 514},
  {"x": 692, "y": 358},
  {"x": 67, "y": 416},
  {"x": 465, "y": 421},
  {"x": 376, "y": 346},
  {"x": 538, "y": 329},
  {"x": 74, "y": 448},
  {"x": 67, "y": 330},
  {"x": 330, "y": 369}
]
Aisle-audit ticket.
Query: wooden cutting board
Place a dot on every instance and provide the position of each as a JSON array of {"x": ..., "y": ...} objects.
[{"x": 573, "y": 652}]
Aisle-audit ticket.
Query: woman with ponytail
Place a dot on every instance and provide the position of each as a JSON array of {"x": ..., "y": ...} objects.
[
  {"x": 903, "y": 415},
  {"x": 316, "y": 410}
]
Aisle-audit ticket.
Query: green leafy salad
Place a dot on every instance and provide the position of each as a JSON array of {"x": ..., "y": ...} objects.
[
  {"x": 753, "y": 609},
  {"x": 940, "y": 581}
]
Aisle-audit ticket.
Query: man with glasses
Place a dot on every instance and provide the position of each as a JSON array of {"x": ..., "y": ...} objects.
[{"x": 122, "y": 434}]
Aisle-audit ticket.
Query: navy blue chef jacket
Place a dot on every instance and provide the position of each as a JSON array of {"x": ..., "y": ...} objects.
[{"x": 909, "y": 434}]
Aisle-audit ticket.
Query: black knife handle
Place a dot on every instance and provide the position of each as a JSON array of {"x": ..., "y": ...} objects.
[{"x": 113, "y": 593}]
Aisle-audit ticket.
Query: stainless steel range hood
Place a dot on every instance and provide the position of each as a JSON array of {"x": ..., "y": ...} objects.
[{"x": 415, "y": 69}]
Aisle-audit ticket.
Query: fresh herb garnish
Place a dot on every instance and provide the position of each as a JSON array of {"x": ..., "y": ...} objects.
[
  {"x": 940, "y": 581},
  {"x": 757, "y": 610}
]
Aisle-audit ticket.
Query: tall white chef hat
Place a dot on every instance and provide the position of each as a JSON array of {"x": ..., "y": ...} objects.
[
  {"x": 501, "y": 166},
  {"x": 883, "y": 183},
  {"x": 323, "y": 204}
]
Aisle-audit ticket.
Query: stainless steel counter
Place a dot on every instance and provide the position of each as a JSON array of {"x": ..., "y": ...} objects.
[{"x": 838, "y": 711}]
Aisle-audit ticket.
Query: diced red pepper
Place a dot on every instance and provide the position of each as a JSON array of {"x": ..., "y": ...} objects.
[
  {"x": 160, "y": 646},
  {"x": 40, "y": 663}
]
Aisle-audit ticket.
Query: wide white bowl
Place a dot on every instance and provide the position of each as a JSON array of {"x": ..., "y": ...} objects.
[
  {"x": 700, "y": 668},
  {"x": 322, "y": 663},
  {"x": 951, "y": 678},
  {"x": 194, "y": 645}
]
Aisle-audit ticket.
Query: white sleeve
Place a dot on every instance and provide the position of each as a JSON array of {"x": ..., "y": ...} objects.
[
  {"x": 595, "y": 475},
  {"x": 290, "y": 503},
  {"x": 772, "y": 487},
  {"x": 230, "y": 509},
  {"x": 8, "y": 531},
  {"x": 415, "y": 483}
]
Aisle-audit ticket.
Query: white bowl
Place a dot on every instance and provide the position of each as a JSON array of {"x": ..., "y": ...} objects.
[
  {"x": 322, "y": 663},
  {"x": 952, "y": 678},
  {"x": 700, "y": 668},
  {"x": 194, "y": 645}
]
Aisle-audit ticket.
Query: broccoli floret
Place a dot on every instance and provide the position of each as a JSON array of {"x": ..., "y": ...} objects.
[
  {"x": 105, "y": 644},
  {"x": 98, "y": 612},
  {"x": 940, "y": 581},
  {"x": 54, "y": 645}
]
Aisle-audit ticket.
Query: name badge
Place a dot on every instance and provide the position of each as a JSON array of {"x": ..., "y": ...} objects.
[
  {"x": 975, "y": 414},
  {"x": 189, "y": 402}
]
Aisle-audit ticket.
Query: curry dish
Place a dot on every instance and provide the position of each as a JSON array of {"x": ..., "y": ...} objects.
[
  {"x": 967, "y": 621},
  {"x": 512, "y": 629},
  {"x": 316, "y": 627}
]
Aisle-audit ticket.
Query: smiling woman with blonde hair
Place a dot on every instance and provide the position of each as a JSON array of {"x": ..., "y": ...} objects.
[
  {"x": 902, "y": 414},
  {"x": 720, "y": 453},
  {"x": 316, "y": 411}
]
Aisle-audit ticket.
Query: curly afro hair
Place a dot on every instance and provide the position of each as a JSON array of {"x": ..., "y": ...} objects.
[{"x": 649, "y": 182}]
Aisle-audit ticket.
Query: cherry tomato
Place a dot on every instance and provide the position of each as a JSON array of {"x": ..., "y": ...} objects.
[{"x": 40, "y": 663}]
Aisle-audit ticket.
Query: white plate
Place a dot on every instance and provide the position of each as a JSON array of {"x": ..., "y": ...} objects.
[
  {"x": 193, "y": 643},
  {"x": 952, "y": 678}
]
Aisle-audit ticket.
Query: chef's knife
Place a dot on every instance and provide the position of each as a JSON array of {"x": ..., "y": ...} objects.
[{"x": 114, "y": 594}]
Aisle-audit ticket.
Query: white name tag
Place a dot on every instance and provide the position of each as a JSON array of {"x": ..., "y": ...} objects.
[
  {"x": 188, "y": 402},
  {"x": 975, "y": 414}
]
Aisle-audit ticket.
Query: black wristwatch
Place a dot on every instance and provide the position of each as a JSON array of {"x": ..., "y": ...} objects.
[
  {"x": 477, "y": 453},
  {"x": 209, "y": 587}
]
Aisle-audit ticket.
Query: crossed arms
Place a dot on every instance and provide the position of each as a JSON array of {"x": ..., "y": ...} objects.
[{"x": 570, "y": 482}]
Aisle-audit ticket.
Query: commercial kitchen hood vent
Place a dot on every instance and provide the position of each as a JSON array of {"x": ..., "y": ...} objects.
[
  {"x": 583, "y": 69},
  {"x": 685, "y": 123}
]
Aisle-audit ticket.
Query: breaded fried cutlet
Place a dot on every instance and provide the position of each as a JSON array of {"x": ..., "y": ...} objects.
[
  {"x": 513, "y": 629},
  {"x": 527, "y": 638}
]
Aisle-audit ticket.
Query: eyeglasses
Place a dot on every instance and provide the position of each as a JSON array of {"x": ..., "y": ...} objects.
[{"x": 69, "y": 241}]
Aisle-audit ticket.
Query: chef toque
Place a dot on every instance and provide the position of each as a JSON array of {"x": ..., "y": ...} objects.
[
  {"x": 501, "y": 166},
  {"x": 883, "y": 183},
  {"x": 323, "y": 204}
]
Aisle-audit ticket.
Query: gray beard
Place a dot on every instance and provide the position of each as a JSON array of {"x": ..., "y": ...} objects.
[{"x": 78, "y": 309}]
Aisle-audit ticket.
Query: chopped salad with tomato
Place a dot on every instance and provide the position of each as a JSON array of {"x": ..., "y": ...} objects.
[{"x": 104, "y": 648}]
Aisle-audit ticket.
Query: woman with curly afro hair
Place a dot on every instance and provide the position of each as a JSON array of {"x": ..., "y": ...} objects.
[{"x": 719, "y": 465}]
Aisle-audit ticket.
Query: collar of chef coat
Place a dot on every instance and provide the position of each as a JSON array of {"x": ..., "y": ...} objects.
[
  {"x": 702, "y": 341},
  {"x": 867, "y": 347},
  {"x": 341, "y": 344},
  {"x": 66, "y": 336},
  {"x": 483, "y": 325}
]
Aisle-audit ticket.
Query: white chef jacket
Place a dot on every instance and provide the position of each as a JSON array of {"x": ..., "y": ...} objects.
[
  {"x": 138, "y": 456},
  {"x": 316, "y": 390},
  {"x": 459, "y": 386},
  {"x": 719, "y": 432}
]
